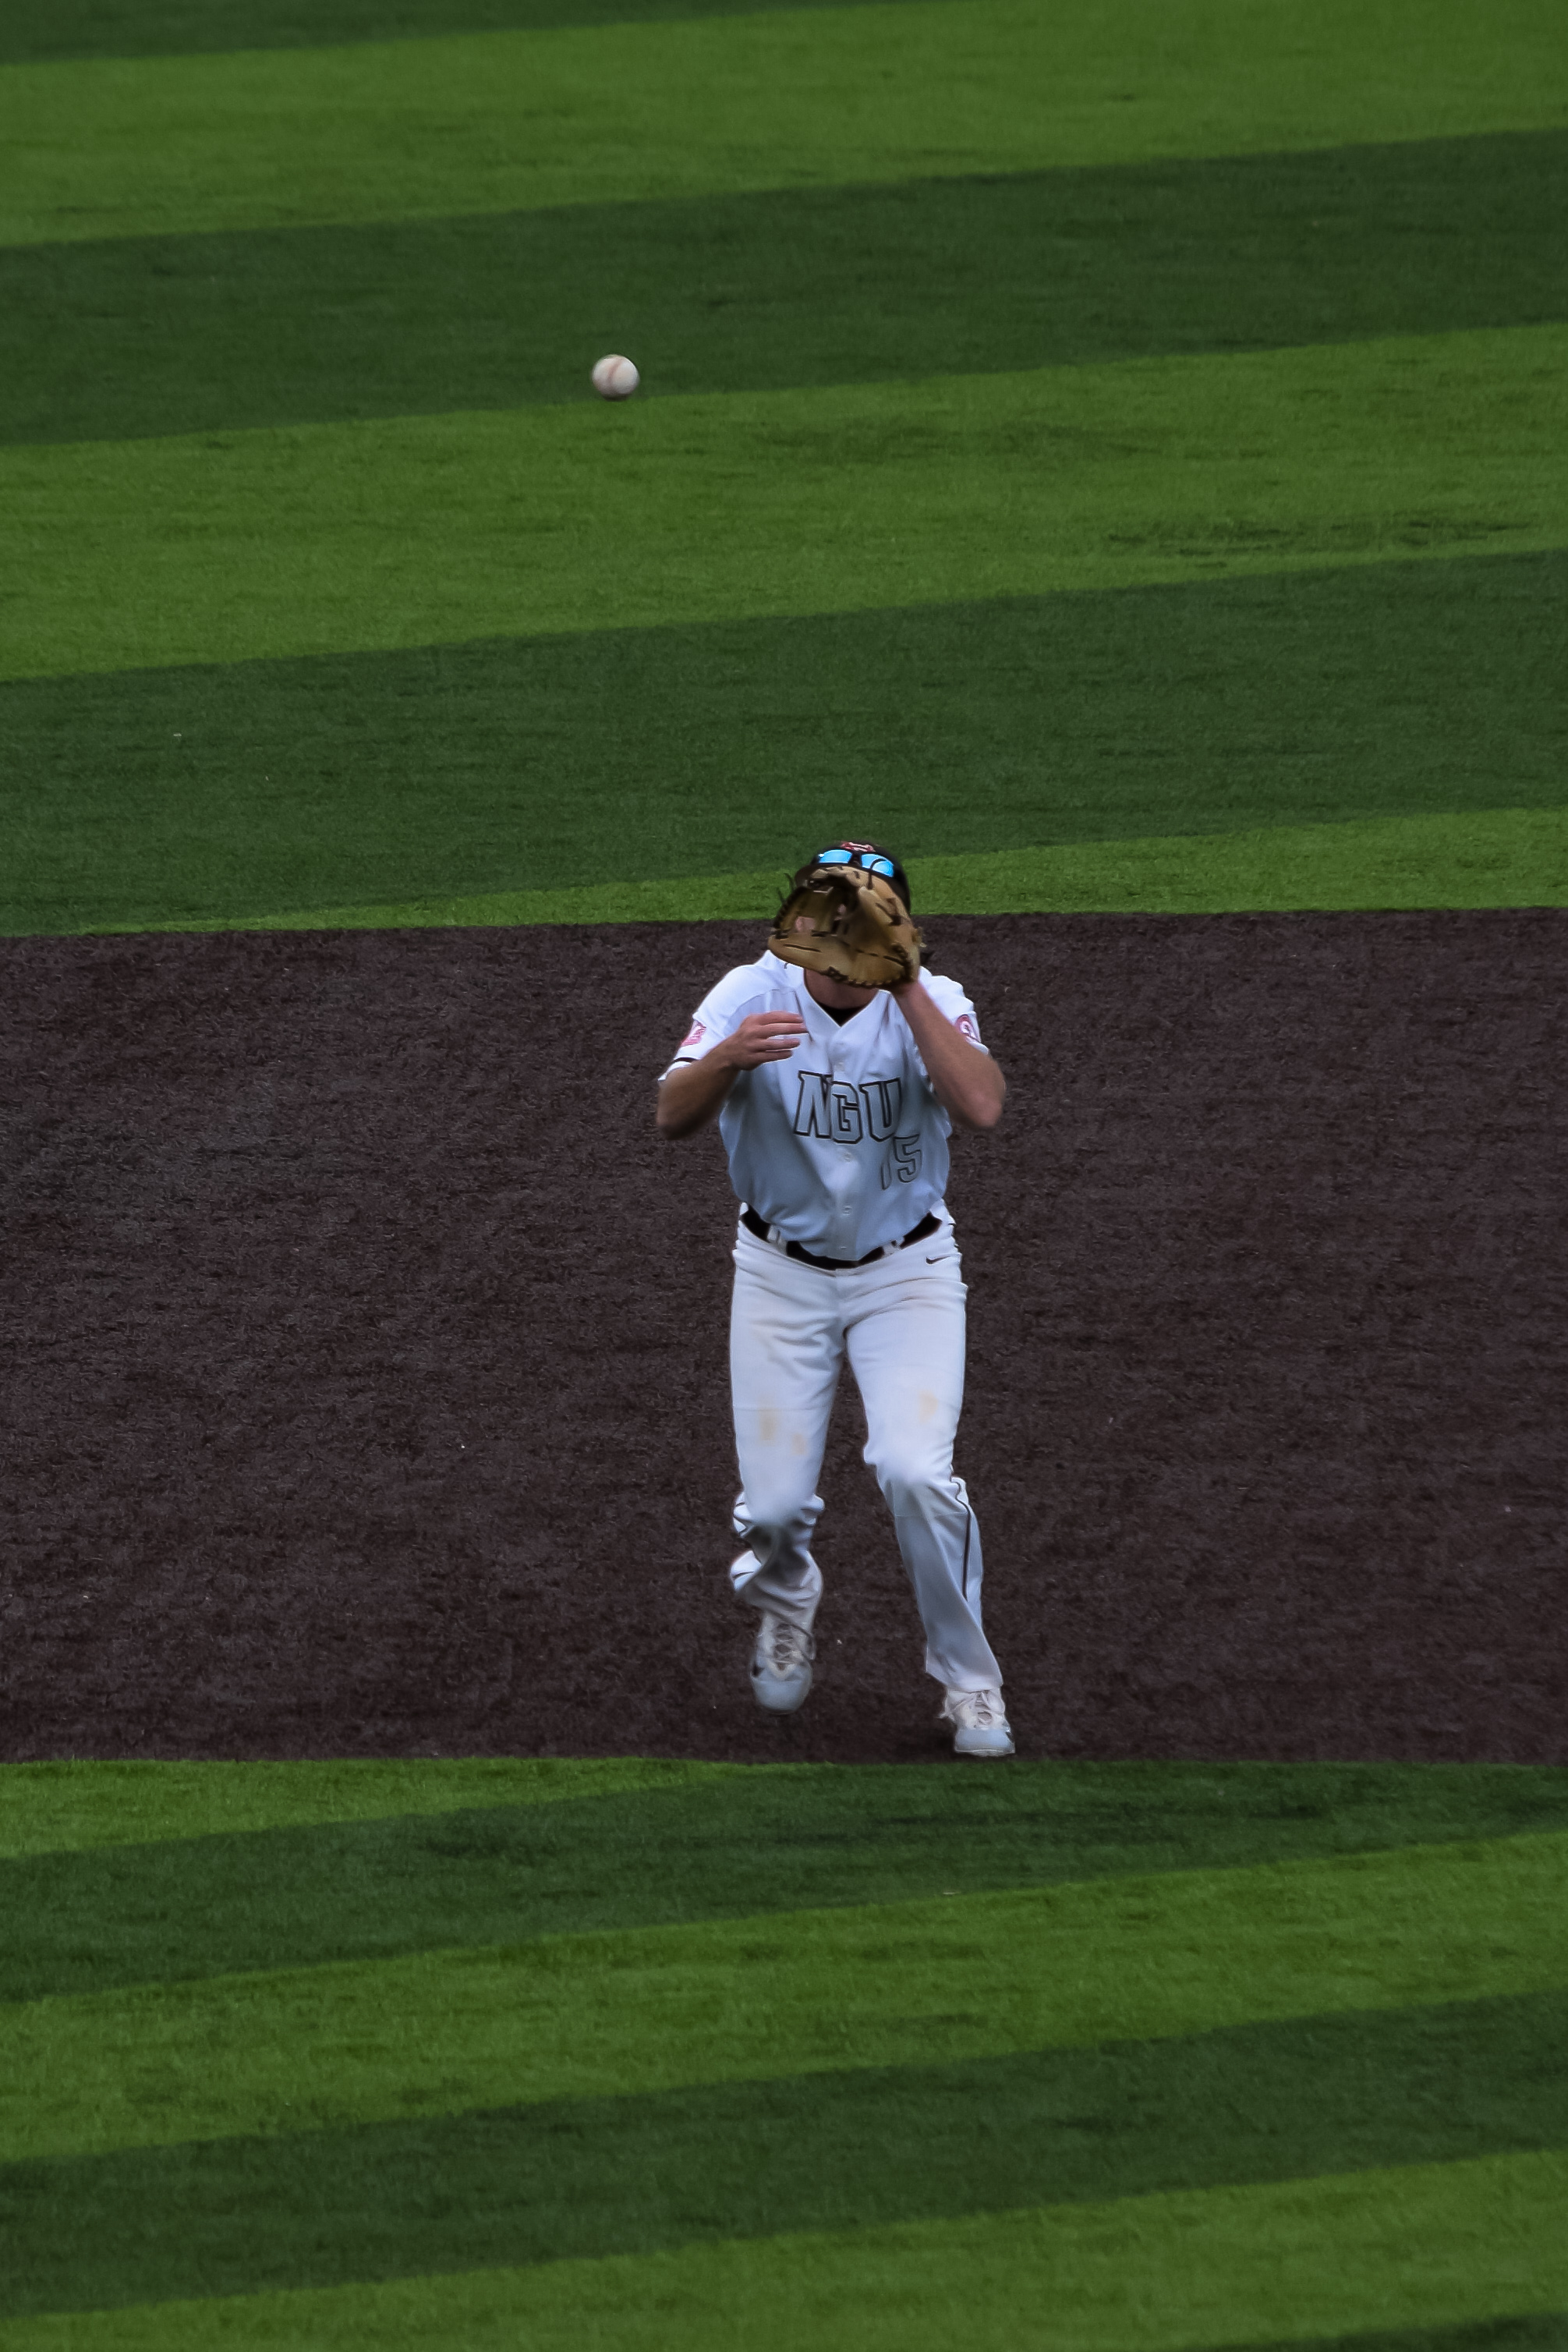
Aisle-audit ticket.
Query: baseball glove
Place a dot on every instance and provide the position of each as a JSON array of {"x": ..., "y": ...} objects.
[{"x": 848, "y": 928}]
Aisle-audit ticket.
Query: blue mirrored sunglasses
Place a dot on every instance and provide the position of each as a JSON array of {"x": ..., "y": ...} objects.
[{"x": 852, "y": 857}]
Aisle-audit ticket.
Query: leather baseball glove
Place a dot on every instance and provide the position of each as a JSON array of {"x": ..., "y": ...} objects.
[{"x": 848, "y": 927}]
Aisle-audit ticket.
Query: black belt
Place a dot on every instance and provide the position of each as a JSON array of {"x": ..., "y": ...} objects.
[{"x": 930, "y": 1223}]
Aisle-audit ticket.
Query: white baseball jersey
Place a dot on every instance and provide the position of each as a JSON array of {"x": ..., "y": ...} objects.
[{"x": 844, "y": 1145}]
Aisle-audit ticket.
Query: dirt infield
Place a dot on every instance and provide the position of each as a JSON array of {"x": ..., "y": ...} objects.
[{"x": 370, "y": 1348}]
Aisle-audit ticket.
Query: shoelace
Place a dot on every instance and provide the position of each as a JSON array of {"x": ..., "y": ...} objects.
[
  {"x": 790, "y": 1646},
  {"x": 981, "y": 1709}
]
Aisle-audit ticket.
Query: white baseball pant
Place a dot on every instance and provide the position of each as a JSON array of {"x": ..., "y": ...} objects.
[{"x": 900, "y": 1322}]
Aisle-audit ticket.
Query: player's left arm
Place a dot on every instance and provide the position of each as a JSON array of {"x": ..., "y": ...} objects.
[{"x": 964, "y": 1078}]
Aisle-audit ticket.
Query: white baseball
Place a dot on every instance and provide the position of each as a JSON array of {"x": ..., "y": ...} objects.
[{"x": 615, "y": 378}]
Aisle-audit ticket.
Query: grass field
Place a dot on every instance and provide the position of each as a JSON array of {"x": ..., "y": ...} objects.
[
  {"x": 1117, "y": 2055},
  {"x": 1117, "y": 453},
  {"x": 1022, "y": 386}
]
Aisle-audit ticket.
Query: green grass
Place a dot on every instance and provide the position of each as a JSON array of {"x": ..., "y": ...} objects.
[
  {"x": 1218, "y": 295},
  {"x": 33, "y": 29},
  {"x": 916, "y": 89},
  {"x": 1208, "y": 2051},
  {"x": 586, "y": 2179},
  {"x": 1546, "y": 2334},
  {"x": 808, "y": 287},
  {"x": 359, "y": 1861},
  {"x": 798, "y": 1992},
  {"x": 1422, "y": 2245},
  {"x": 404, "y": 531},
  {"x": 1487, "y": 857},
  {"x": 674, "y": 773},
  {"x": 57, "y": 1808}
]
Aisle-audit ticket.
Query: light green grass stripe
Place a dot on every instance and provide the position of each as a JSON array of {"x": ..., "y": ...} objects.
[
  {"x": 803, "y": 1992},
  {"x": 1485, "y": 857},
  {"x": 1417, "y": 2246},
  {"x": 420, "y": 531},
  {"x": 498, "y": 121},
  {"x": 67, "y": 1807}
]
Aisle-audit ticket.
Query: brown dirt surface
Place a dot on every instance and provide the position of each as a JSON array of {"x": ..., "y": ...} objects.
[{"x": 369, "y": 1348}]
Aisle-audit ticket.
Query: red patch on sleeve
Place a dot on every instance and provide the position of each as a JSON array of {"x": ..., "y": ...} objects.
[
  {"x": 965, "y": 1027},
  {"x": 694, "y": 1037}
]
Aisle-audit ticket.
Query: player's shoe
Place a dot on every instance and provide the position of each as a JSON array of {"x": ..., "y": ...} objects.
[
  {"x": 980, "y": 1727},
  {"x": 782, "y": 1664}
]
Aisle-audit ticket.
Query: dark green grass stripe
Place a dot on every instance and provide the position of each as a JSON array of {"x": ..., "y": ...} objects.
[
  {"x": 34, "y": 29},
  {"x": 628, "y": 2176},
  {"x": 199, "y": 1908},
  {"x": 378, "y": 779},
  {"x": 156, "y": 335},
  {"x": 1548, "y": 2331}
]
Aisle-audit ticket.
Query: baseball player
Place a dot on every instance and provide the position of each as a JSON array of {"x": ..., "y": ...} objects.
[{"x": 836, "y": 1067}]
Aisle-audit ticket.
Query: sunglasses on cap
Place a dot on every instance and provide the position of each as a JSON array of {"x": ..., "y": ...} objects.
[{"x": 865, "y": 861}]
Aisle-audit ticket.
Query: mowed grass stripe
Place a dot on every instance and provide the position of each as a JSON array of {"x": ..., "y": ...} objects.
[
  {"x": 800, "y": 1992},
  {"x": 585, "y": 2180},
  {"x": 72, "y": 1808},
  {"x": 913, "y": 89},
  {"x": 1487, "y": 857},
  {"x": 1091, "y": 1816},
  {"x": 415, "y": 530},
  {"x": 1546, "y": 2332},
  {"x": 34, "y": 29},
  {"x": 734, "y": 1844},
  {"x": 161, "y": 335},
  {"x": 1421, "y": 2245},
  {"x": 591, "y": 778}
]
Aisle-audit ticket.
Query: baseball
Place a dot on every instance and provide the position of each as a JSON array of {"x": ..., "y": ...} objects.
[{"x": 615, "y": 378}]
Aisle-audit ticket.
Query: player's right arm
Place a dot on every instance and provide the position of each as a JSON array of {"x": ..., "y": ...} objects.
[{"x": 693, "y": 1093}]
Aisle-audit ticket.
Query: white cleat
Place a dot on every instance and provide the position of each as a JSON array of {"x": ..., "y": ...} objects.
[
  {"x": 980, "y": 1727},
  {"x": 782, "y": 1664}
]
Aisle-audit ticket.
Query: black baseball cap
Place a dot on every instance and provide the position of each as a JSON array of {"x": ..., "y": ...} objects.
[{"x": 868, "y": 854}]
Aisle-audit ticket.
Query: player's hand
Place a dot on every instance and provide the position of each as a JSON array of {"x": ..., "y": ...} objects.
[{"x": 763, "y": 1037}]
